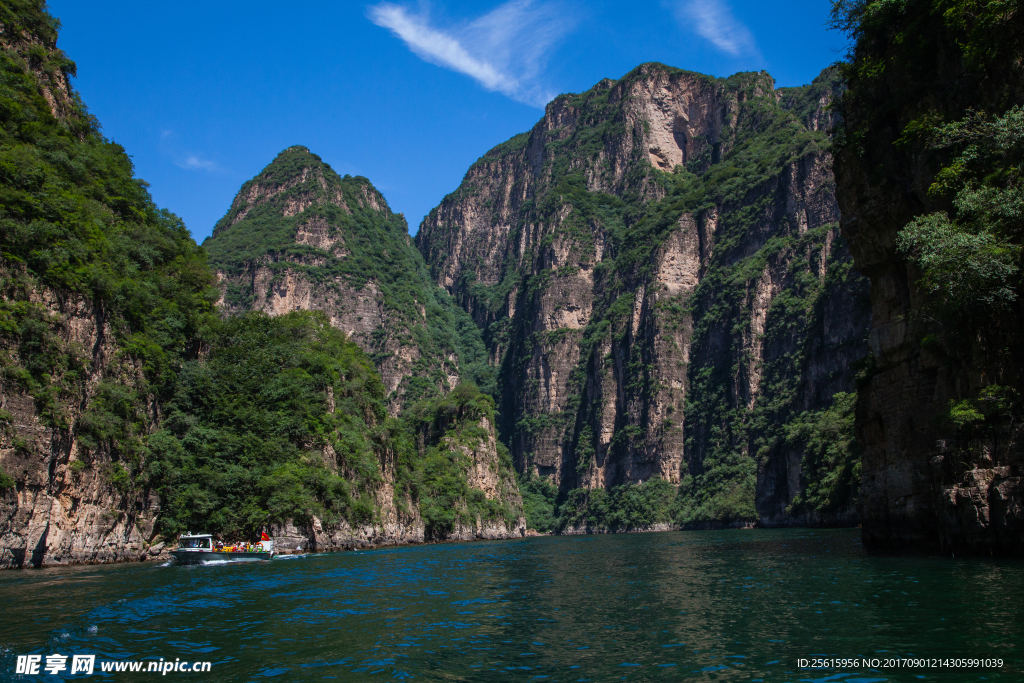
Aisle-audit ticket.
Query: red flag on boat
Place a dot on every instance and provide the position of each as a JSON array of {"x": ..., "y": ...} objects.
[{"x": 264, "y": 537}]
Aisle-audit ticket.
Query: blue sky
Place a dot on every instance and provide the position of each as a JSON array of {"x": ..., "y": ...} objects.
[{"x": 204, "y": 94}]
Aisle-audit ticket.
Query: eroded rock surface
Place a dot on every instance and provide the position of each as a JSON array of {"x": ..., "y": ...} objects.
[
  {"x": 63, "y": 508},
  {"x": 659, "y": 302}
]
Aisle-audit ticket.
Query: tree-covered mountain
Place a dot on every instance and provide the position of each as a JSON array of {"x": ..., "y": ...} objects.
[
  {"x": 647, "y": 298},
  {"x": 300, "y": 237},
  {"x": 104, "y": 296},
  {"x": 658, "y": 274}
]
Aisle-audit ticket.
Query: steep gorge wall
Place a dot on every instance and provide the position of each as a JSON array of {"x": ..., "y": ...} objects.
[
  {"x": 658, "y": 303},
  {"x": 63, "y": 507},
  {"x": 60, "y": 356},
  {"x": 939, "y": 414}
]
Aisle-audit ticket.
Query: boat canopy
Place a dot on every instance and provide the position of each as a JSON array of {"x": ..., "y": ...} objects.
[{"x": 204, "y": 541}]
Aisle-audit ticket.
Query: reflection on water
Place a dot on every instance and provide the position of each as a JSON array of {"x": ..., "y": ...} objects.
[{"x": 710, "y": 605}]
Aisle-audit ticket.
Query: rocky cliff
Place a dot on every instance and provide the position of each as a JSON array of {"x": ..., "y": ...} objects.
[
  {"x": 658, "y": 274},
  {"x": 61, "y": 505},
  {"x": 928, "y": 177},
  {"x": 300, "y": 237},
  {"x": 101, "y": 295}
]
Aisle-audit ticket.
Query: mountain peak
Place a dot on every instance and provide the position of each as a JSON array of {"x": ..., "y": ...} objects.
[
  {"x": 298, "y": 180},
  {"x": 300, "y": 237}
]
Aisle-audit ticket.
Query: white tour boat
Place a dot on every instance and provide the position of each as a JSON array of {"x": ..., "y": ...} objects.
[{"x": 201, "y": 548}]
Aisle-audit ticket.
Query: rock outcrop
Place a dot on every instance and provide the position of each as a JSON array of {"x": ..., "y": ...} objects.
[{"x": 658, "y": 273}]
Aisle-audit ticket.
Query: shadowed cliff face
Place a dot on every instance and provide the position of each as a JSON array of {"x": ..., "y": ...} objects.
[
  {"x": 300, "y": 237},
  {"x": 658, "y": 275},
  {"x": 939, "y": 415}
]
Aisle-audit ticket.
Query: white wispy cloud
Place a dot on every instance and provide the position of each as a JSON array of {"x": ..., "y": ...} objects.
[
  {"x": 181, "y": 157},
  {"x": 505, "y": 50},
  {"x": 195, "y": 163},
  {"x": 713, "y": 20}
]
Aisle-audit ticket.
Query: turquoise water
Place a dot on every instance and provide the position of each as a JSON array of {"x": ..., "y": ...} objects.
[{"x": 738, "y": 605}]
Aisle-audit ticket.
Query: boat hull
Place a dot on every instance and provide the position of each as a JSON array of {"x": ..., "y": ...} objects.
[{"x": 206, "y": 556}]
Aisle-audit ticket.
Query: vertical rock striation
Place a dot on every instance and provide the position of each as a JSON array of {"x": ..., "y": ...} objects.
[{"x": 657, "y": 273}]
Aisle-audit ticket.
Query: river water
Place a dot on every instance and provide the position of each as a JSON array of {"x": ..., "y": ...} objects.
[{"x": 736, "y": 605}]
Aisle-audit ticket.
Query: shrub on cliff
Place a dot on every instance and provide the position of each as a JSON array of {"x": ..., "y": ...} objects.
[
  {"x": 934, "y": 142},
  {"x": 6, "y": 481},
  {"x": 970, "y": 257}
]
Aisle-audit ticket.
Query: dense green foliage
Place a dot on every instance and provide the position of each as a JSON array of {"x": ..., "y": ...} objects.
[
  {"x": 448, "y": 429},
  {"x": 831, "y": 461},
  {"x": 936, "y": 90},
  {"x": 75, "y": 221},
  {"x": 972, "y": 258},
  {"x": 371, "y": 245},
  {"x": 285, "y": 420},
  {"x": 629, "y": 506},
  {"x": 620, "y": 508},
  {"x": 539, "y": 503},
  {"x": 244, "y": 436}
]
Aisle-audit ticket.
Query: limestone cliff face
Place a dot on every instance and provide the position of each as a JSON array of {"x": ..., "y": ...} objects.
[
  {"x": 659, "y": 305},
  {"x": 930, "y": 482},
  {"x": 63, "y": 508},
  {"x": 300, "y": 237}
]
